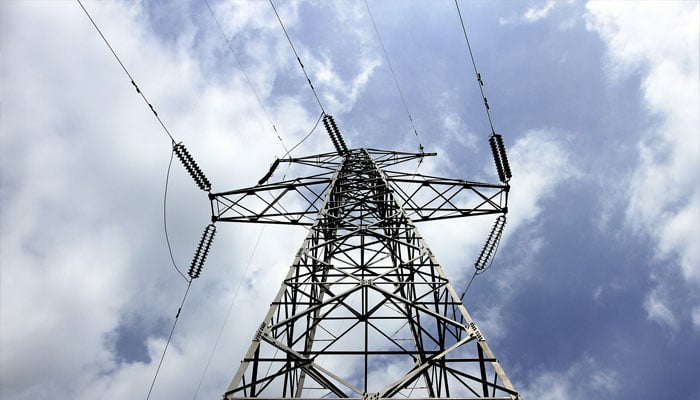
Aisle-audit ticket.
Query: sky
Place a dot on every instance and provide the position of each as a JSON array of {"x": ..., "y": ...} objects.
[{"x": 595, "y": 290}]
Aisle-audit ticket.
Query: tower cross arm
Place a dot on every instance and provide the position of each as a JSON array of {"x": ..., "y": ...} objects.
[
  {"x": 292, "y": 202},
  {"x": 426, "y": 198}
]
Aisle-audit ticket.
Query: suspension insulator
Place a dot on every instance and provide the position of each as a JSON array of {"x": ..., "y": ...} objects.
[
  {"x": 192, "y": 167},
  {"x": 202, "y": 251},
  {"x": 338, "y": 135},
  {"x": 491, "y": 244},
  {"x": 269, "y": 173},
  {"x": 334, "y": 133},
  {"x": 497, "y": 158},
  {"x": 502, "y": 155},
  {"x": 326, "y": 122}
]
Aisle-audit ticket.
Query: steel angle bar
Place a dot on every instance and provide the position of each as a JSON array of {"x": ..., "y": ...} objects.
[
  {"x": 484, "y": 382},
  {"x": 402, "y": 383},
  {"x": 312, "y": 309},
  {"x": 314, "y": 370},
  {"x": 410, "y": 304}
]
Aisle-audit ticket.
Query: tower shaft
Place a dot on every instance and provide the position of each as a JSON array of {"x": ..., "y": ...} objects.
[{"x": 365, "y": 310}]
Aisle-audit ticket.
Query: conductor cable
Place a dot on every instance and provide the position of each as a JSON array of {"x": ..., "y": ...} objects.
[{"x": 133, "y": 83}]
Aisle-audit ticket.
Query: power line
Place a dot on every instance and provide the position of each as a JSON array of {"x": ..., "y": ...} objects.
[
  {"x": 138, "y": 90},
  {"x": 165, "y": 216},
  {"x": 228, "y": 313},
  {"x": 305, "y": 137},
  {"x": 476, "y": 72},
  {"x": 298, "y": 59},
  {"x": 177, "y": 317},
  {"x": 393, "y": 75},
  {"x": 245, "y": 74}
]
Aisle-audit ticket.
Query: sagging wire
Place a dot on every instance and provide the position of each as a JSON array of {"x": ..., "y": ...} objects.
[
  {"x": 307, "y": 135},
  {"x": 396, "y": 82},
  {"x": 498, "y": 150},
  {"x": 297, "y": 56},
  {"x": 203, "y": 183},
  {"x": 199, "y": 178},
  {"x": 275, "y": 164},
  {"x": 228, "y": 313},
  {"x": 495, "y": 139},
  {"x": 131, "y": 79},
  {"x": 480, "y": 82},
  {"x": 194, "y": 272},
  {"x": 165, "y": 215},
  {"x": 170, "y": 336},
  {"x": 178, "y": 148},
  {"x": 245, "y": 74}
]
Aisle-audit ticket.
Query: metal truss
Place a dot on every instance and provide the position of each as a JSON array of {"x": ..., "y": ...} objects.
[
  {"x": 365, "y": 310},
  {"x": 298, "y": 201}
]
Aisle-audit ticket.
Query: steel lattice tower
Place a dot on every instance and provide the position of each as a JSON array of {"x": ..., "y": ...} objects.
[{"x": 365, "y": 310}]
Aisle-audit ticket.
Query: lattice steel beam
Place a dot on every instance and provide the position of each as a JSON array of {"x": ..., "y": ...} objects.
[{"x": 365, "y": 310}]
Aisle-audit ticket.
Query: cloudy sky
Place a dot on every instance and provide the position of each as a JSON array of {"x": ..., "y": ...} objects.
[{"x": 595, "y": 292}]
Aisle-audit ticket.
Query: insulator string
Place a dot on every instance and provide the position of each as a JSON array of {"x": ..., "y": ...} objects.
[
  {"x": 393, "y": 75},
  {"x": 131, "y": 79},
  {"x": 297, "y": 56},
  {"x": 335, "y": 135},
  {"x": 488, "y": 252},
  {"x": 497, "y": 158},
  {"x": 200, "y": 256},
  {"x": 500, "y": 158},
  {"x": 269, "y": 173},
  {"x": 228, "y": 313},
  {"x": 192, "y": 168},
  {"x": 491, "y": 244},
  {"x": 503, "y": 157}
]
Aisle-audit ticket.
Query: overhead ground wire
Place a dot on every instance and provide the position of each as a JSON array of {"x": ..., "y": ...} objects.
[
  {"x": 228, "y": 313},
  {"x": 160, "y": 121},
  {"x": 245, "y": 74},
  {"x": 133, "y": 82},
  {"x": 393, "y": 75},
  {"x": 297, "y": 56},
  {"x": 305, "y": 137},
  {"x": 177, "y": 317},
  {"x": 480, "y": 82},
  {"x": 172, "y": 140}
]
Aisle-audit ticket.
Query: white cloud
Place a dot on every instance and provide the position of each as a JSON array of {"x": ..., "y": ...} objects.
[
  {"x": 659, "y": 42},
  {"x": 456, "y": 130},
  {"x": 541, "y": 165},
  {"x": 532, "y": 14},
  {"x": 540, "y": 162},
  {"x": 657, "y": 310},
  {"x": 339, "y": 95},
  {"x": 584, "y": 379},
  {"x": 696, "y": 318},
  {"x": 81, "y": 233}
]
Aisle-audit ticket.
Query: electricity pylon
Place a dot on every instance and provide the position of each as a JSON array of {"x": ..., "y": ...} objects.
[{"x": 365, "y": 310}]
